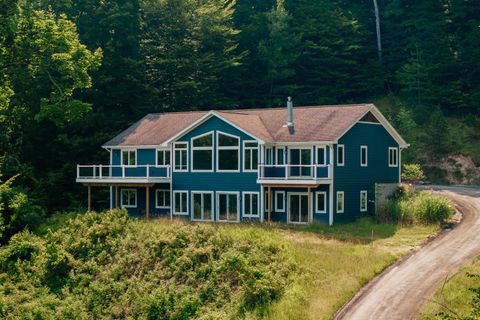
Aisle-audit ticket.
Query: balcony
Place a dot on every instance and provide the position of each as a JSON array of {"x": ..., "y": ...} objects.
[
  {"x": 123, "y": 173},
  {"x": 294, "y": 174}
]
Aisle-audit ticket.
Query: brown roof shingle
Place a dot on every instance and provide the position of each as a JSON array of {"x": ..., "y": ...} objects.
[{"x": 315, "y": 123}]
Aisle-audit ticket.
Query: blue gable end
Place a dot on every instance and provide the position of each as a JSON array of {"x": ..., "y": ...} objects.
[{"x": 352, "y": 177}]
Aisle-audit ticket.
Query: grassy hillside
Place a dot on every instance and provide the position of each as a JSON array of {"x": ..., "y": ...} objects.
[{"x": 105, "y": 265}]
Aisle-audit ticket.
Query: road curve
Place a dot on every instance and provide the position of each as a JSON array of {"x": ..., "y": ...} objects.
[{"x": 401, "y": 290}]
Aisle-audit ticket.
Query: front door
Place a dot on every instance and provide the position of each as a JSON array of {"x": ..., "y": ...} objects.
[
  {"x": 297, "y": 207},
  {"x": 300, "y": 160}
]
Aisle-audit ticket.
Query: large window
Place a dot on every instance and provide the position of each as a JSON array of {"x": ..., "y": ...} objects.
[
  {"x": 129, "y": 157},
  {"x": 392, "y": 157},
  {"x": 340, "y": 155},
  {"x": 181, "y": 158},
  {"x": 280, "y": 156},
  {"x": 227, "y": 206},
  {"x": 363, "y": 201},
  {"x": 180, "y": 202},
  {"x": 279, "y": 201},
  {"x": 202, "y": 152},
  {"x": 162, "y": 199},
  {"x": 321, "y": 197},
  {"x": 321, "y": 155},
  {"x": 250, "y": 205},
  {"x": 340, "y": 201},
  {"x": 228, "y": 153},
  {"x": 202, "y": 206},
  {"x": 363, "y": 156},
  {"x": 163, "y": 157},
  {"x": 250, "y": 156},
  {"x": 128, "y": 198}
]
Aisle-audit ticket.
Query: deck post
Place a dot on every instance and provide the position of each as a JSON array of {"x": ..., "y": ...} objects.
[
  {"x": 309, "y": 206},
  {"x": 269, "y": 203},
  {"x": 147, "y": 204},
  {"x": 89, "y": 201},
  {"x": 116, "y": 197}
]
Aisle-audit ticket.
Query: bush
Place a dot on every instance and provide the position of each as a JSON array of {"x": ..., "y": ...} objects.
[
  {"x": 408, "y": 206},
  {"x": 412, "y": 173}
]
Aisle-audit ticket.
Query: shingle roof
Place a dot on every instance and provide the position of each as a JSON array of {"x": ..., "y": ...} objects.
[{"x": 312, "y": 124}]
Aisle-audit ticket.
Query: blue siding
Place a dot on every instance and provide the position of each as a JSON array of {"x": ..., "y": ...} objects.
[
  {"x": 351, "y": 178},
  {"x": 139, "y": 211}
]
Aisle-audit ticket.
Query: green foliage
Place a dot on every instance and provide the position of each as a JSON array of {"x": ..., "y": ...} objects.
[
  {"x": 409, "y": 206},
  {"x": 105, "y": 265},
  {"x": 412, "y": 172}
]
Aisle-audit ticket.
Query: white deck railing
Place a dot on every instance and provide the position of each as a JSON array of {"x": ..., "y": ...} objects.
[
  {"x": 294, "y": 172},
  {"x": 105, "y": 171}
]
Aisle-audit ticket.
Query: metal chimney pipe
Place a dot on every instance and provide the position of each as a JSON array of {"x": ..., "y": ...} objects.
[{"x": 289, "y": 112}]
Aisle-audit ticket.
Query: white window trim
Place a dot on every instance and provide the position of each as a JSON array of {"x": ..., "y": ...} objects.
[
  {"x": 211, "y": 205},
  {"x": 156, "y": 198},
  {"x": 282, "y": 149},
  {"x": 128, "y": 205},
  {"x": 227, "y": 148},
  {"x": 156, "y": 157},
  {"x": 324, "y": 155},
  {"x": 395, "y": 149},
  {"x": 251, "y": 205},
  {"x": 343, "y": 202},
  {"x": 366, "y": 156},
  {"x": 364, "y": 192},
  {"x": 173, "y": 156},
  {"x": 128, "y": 150},
  {"x": 201, "y": 148},
  {"x": 251, "y": 159},
  {"x": 276, "y": 202},
  {"x": 218, "y": 193},
  {"x": 324, "y": 202},
  {"x": 343, "y": 155},
  {"x": 180, "y": 213}
]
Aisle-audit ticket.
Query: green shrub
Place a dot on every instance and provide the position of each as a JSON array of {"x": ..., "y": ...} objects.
[{"x": 412, "y": 173}]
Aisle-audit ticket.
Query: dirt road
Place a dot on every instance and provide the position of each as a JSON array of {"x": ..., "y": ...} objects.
[{"x": 401, "y": 290}]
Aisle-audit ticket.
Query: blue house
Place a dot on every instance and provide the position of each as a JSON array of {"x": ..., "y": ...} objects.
[{"x": 295, "y": 165}]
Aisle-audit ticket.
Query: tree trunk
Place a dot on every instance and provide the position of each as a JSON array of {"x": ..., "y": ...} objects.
[{"x": 377, "y": 25}]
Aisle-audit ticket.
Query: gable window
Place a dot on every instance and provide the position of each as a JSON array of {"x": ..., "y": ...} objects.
[
  {"x": 128, "y": 198},
  {"x": 228, "y": 152},
  {"x": 129, "y": 157},
  {"x": 163, "y": 157},
  {"x": 393, "y": 157},
  {"x": 340, "y": 201},
  {"x": 162, "y": 200},
  {"x": 227, "y": 206},
  {"x": 321, "y": 155},
  {"x": 363, "y": 201},
  {"x": 363, "y": 156},
  {"x": 250, "y": 205},
  {"x": 250, "y": 156},
  {"x": 280, "y": 155},
  {"x": 202, "y": 152},
  {"x": 321, "y": 197},
  {"x": 181, "y": 158},
  {"x": 279, "y": 201},
  {"x": 180, "y": 202},
  {"x": 340, "y": 155}
]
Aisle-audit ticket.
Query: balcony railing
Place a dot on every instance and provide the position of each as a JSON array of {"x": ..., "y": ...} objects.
[
  {"x": 294, "y": 172},
  {"x": 101, "y": 171}
]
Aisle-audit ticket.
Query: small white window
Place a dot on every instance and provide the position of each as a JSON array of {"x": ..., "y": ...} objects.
[
  {"x": 228, "y": 152},
  {"x": 340, "y": 155},
  {"x": 163, "y": 157},
  {"x": 363, "y": 156},
  {"x": 321, "y": 155},
  {"x": 279, "y": 201},
  {"x": 269, "y": 156},
  {"x": 363, "y": 201},
  {"x": 340, "y": 201},
  {"x": 321, "y": 197},
  {"x": 393, "y": 157},
  {"x": 128, "y": 198},
  {"x": 129, "y": 157},
  {"x": 250, "y": 156},
  {"x": 251, "y": 204},
  {"x": 280, "y": 156},
  {"x": 162, "y": 199},
  {"x": 180, "y": 202},
  {"x": 181, "y": 156}
]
